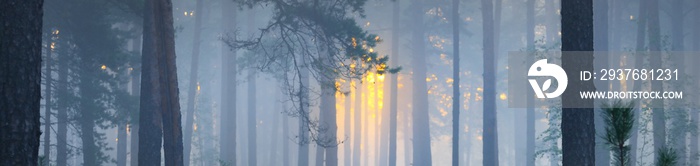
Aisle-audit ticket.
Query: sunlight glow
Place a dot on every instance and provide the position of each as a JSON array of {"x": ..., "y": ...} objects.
[{"x": 103, "y": 67}]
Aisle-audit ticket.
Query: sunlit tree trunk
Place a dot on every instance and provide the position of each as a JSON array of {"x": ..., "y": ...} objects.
[
  {"x": 600, "y": 36},
  {"x": 357, "y": 136},
  {"x": 227, "y": 139},
  {"x": 20, "y": 89},
  {"x": 192, "y": 89},
  {"x": 393, "y": 101},
  {"x": 577, "y": 126},
  {"x": 347, "y": 154},
  {"x": 421, "y": 126}
]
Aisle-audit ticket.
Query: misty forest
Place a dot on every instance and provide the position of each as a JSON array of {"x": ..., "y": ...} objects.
[{"x": 333, "y": 82}]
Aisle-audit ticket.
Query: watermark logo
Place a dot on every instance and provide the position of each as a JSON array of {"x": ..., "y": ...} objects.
[{"x": 543, "y": 69}]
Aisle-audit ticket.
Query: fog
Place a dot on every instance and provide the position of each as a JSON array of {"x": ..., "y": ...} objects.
[{"x": 301, "y": 82}]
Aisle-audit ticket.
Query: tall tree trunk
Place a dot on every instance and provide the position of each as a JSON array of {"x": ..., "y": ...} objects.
[
  {"x": 285, "y": 144},
  {"x": 347, "y": 154},
  {"x": 252, "y": 118},
  {"x": 328, "y": 101},
  {"x": 192, "y": 89},
  {"x": 20, "y": 89},
  {"x": 303, "y": 154},
  {"x": 530, "y": 114},
  {"x": 600, "y": 36},
  {"x": 150, "y": 120},
  {"x": 455, "y": 84},
  {"x": 135, "y": 87},
  {"x": 227, "y": 139},
  {"x": 62, "y": 109},
  {"x": 421, "y": 126},
  {"x": 122, "y": 122},
  {"x": 658, "y": 114},
  {"x": 490, "y": 135},
  {"x": 393, "y": 101},
  {"x": 275, "y": 129},
  {"x": 577, "y": 126},
  {"x": 170, "y": 107},
  {"x": 638, "y": 62},
  {"x": 679, "y": 122},
  {"x": 86, "y": 119},
  {"x": 357, "y": 136},
  {"x": 48, "y": 103}
]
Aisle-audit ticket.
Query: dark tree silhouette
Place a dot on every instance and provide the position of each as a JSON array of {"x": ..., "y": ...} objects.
[
  {"x": 577, "y": 124},
  {"x": 20, "y": 91}
]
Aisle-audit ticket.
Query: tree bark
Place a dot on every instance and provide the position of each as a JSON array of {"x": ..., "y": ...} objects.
[
  {"x": 20, "y": 89},
  {"x": 192, "y": 89},
  {"x": 150, "y": 119},
  {"x": 227, "y": 140},
  {"x": 578, "y": 128},
  {"x": 393, "y": 101}
]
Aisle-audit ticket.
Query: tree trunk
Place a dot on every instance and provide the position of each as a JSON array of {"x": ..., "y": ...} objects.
[
  {"x": 638, "y": 62},
  {"x": 135, "y": 87},
  {"x": 150, "y": 120},
  {"x": 393, "y": 101},
  {"x": 252, "y": 118},
  {"x": 530, "y": 114},
  {"x": 86, "y": 119},
  {"x": 421, "y": 126},
  {"x": 48, "y": 103},
  {"x": 357, "y": 136},
  {"x": 328, "y": 103},
  {"x": 62, "y": 110},
  {"x": 192, "y": 89},
  {"x": 227, "y": 139},
  {"x": 455, "y": 84},
  {"x": 347, "y": 154},
  {"x": 679, "y": 122},
  {"x": 303, "y": 154},
  {"x": 490, "y": 135},
  {"x": 600, "y": 36},
  {"x": 658, "y": 114},
  {"x": 285, "y": 144},
  {"x": 20, "y": 89},
  {"x": 275, "y": 129},
  {"x": 577, "y": 126}
]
